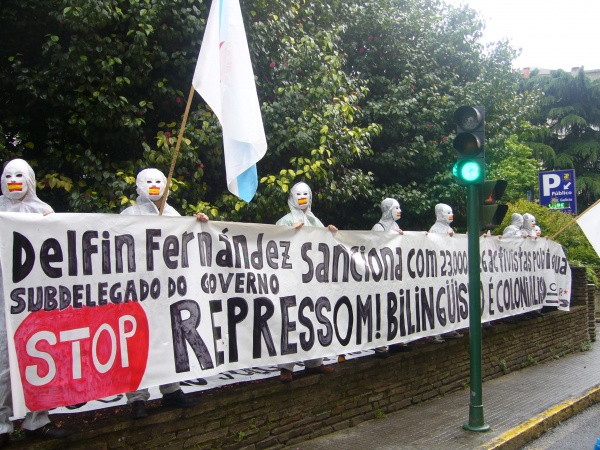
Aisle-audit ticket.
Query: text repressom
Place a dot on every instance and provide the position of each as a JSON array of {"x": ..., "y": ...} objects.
[{"x": 153, "y": 300}]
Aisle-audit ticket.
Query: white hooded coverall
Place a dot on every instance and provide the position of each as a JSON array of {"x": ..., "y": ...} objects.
[
  {"x": 300, "y": 201},
  {"x": 17, "y": 178},
  {"x": 514, "y": 229},
  {"x": 151, "y": 186},
  {"x": 444, "y": 216}
]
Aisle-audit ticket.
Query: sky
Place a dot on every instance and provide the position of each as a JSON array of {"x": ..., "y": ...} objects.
[{"x": 553, "y": 34}]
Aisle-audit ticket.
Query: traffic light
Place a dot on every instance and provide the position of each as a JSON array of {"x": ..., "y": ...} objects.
[
  {"x": 469, "y": 144},
  {"x": 491, "y": 213}
]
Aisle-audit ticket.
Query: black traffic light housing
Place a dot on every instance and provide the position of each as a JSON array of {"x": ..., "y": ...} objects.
[
  {"x": 470, "y": 145},
  {"x": 491, "y": 213}
]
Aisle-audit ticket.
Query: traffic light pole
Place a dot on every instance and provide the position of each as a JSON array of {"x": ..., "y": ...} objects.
[{"x": 476, "y": 422}]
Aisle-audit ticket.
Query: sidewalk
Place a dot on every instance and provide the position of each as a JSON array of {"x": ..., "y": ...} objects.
[{"x": 518, "y": 407}]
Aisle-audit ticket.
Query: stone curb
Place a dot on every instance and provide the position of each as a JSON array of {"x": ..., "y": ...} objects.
[{"x": 538, "y": 425}]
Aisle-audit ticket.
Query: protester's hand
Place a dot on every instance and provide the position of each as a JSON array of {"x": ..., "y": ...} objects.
[
  {"x": 298, "y": 225},
  {"x": 48, "y": 212},
  {"x": 451, "y": 232},
  {"x": 332, "y": 228},
  {"x": 202, "y": 217},
  {"x": 399, "y": 231}
]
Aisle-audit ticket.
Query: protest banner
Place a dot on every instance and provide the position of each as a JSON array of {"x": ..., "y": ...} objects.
[{"x": 98, "y": 304}]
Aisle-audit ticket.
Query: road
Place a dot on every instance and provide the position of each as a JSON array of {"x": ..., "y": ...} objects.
[{"x": 580, "y": 432}]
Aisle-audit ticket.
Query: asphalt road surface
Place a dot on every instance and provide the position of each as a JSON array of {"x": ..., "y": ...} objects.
[{"x": 580, "y": 432}]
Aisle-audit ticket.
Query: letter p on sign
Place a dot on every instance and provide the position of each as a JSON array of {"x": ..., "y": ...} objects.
[{"x": 549, "y": 181}]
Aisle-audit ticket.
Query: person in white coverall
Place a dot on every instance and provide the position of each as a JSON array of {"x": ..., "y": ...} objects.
[
  {"x": 528, "y": 225},
  {"x": 300, "y": 201},
  {"x": 444, "y": 217},
  {"x": 151, "y": 186},
  {"x": 390, "y": 213},
  {"x": 514, "y": 229},
  {"x": 18, "y": 195},
  {"x": 528, "y": 229}
]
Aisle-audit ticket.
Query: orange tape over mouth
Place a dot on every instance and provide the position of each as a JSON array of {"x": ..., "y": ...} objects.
[
  {"x": 302, "y": 201},
  {"x": 153, "y": 190},
  {"x": 12, "y": 187}
]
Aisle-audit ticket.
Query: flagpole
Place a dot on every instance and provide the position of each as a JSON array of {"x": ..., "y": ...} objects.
[
  {"x": 574, "y": 220},
  {"x": 163, "y": 200}
]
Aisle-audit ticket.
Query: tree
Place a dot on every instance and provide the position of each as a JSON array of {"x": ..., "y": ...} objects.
[
  {"x": 98, "y": 92},
  {"x": 576, "y": 246},
  {"x": 421, "y": 60},
  {"x": 569, "y": 128},
  {"x": 84, "y": 86},
  {"x": 515, "y": 164},
  {"x": 356, "y": 97}
]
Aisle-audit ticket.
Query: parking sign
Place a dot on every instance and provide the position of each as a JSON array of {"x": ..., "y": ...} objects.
[{"x": 557, "y": 190}]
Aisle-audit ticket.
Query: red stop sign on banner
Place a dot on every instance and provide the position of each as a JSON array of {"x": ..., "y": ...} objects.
[{"x": 71, "y": 356}]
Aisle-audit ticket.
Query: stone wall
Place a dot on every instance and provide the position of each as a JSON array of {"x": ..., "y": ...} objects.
[{"x": 268, "y": 414}]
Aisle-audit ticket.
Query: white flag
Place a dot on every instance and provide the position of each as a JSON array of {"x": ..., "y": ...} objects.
[
  {"x": 589, "y": 222},
  {"x": 224, "y": 78}
]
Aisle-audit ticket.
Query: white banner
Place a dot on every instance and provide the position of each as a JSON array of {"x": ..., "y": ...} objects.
[{"x": 98, "y": 304}]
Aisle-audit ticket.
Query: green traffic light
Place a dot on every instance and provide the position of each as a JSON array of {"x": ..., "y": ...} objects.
[
  {"x": 469, "y": 143},
  {"x": 468, "y": 171}
]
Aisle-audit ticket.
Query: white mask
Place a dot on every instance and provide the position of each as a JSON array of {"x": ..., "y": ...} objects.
[
  {"x": 528, "y": 222},
  {"x": 16, "y": 178},
  {"x": 390, "y": 209},
  {"x": 443, "y": 213},
  {"x": 151, "y": 183},
  {"x": 517, "y": 220},
  {"x": 300, "y": 196}
]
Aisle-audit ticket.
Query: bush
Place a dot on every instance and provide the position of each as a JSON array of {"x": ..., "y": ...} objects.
[{"x": 576, "y": 246}]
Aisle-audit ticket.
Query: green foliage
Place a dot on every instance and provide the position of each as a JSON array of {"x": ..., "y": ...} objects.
[
  {"x": 356, "y": 98},
  {"x": 83, "y": 86},
  {"x": 586, "y": 346},
  {"x": 591, "y": 276},
  {"x": 503, "y": 365},
  {"x": 515, "y": 164},
  {"x": 240, "y": 436},
  {"x": 531, "y": 361},
  {"x": 575, "y": 245},
  {"x": 568, "y": 128},
  {"x": 420, "y": 62}
]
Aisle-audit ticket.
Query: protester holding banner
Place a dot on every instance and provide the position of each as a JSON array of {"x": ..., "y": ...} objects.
[
  {"x": 390, "y": 213},
  {"x": 444, "y": 217},
  {"x": 528, "y": 224},
  {"x": 530, "y": 229},
  {"x": 299, "y": 202},
  {"x": 18, "y": 195},
  {"x": 151, "y": 186},
  {"x": 515, "y": 227}
]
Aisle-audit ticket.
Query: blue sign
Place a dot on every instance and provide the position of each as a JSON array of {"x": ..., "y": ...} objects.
[{"x": 557, "y": 190}]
